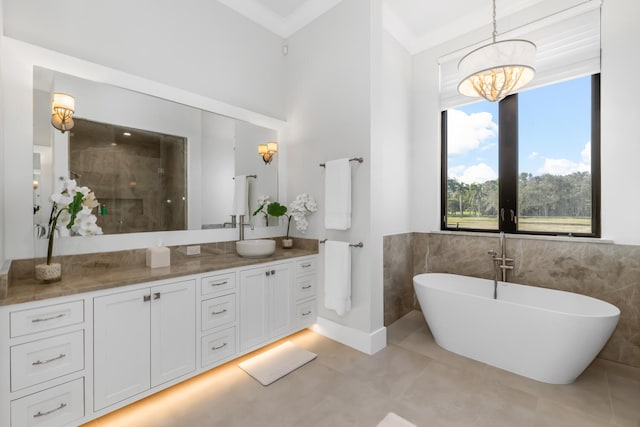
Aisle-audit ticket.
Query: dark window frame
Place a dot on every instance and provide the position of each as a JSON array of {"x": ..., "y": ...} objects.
[{"x": 508, "y": 168}]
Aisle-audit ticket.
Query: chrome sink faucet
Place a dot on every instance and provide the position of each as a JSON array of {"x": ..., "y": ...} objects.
[{"x": 241, "y": 225}]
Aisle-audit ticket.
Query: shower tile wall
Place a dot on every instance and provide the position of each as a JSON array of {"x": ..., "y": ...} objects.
[{"x": 605, "y": 271}]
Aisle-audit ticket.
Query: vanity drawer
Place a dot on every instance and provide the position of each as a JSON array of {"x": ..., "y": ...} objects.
[
  {"x": 53, "y": 407},
  {"x": 305, "y": 287},
  {"x": 42, "y": 360},
  {"x": 46, "y": 318},
  {"x": 218, "y": 311},
  {"x": 306, "y": 266},
  {"x": 305, "y": 314},
  {"x": 218, "y": 283},
  {"x": 218, "y": 346}
]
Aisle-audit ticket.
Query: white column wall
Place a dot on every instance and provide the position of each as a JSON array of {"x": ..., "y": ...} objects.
[
  {"x": 328, "y": 117},
  {"x": 2, "y": 180},
  {"x": 620, "y": 146}
]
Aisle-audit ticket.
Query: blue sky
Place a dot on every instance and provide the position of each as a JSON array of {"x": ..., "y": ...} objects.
[{"x": 554, "y": 128}]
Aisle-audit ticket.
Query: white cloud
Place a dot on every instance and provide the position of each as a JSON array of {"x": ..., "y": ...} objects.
[
  {"x": 467, "y": 132},
  {"x": 567, "y": 167},
  {"x": 479, "y": 173},
  {"x": 534, "y": 155}
]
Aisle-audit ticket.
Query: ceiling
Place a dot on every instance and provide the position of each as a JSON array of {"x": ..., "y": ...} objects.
[{"x": 417, "y": 24}]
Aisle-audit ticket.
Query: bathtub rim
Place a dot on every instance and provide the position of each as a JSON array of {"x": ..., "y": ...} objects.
[{"x": 616, "y": 312}]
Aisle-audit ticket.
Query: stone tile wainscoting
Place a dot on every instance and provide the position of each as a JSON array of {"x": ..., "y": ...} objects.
[{"x": 602, "y": 270}]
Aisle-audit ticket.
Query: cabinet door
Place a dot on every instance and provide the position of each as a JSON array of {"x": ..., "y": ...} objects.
[
  {"x": 121, "y": 346},
  {"x": 280, "y": 301},
  {"x": 254, "y": 317},
  {"x": 173, "y": 331}
]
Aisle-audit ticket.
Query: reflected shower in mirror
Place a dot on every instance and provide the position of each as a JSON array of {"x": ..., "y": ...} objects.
[
  {"x": 193, "y": 153},
  {"x": 139, "y": 175}
]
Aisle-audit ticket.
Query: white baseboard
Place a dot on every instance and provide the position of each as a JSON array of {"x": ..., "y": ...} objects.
[{"x": 366, "y": 342}]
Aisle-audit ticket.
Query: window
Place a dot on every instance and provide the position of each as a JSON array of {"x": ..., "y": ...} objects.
[{"x": 528, "y": 164}]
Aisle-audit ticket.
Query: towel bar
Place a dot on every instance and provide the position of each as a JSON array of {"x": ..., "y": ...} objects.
[
  {"x": 353, "y": 159},
  {"x": 248, "y": 176},
  {"x": 353, "y": 245}
]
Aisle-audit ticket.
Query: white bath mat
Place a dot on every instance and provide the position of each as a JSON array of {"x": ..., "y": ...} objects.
[
  {"x": 276, "y": 363},
  {"x": 394, "y": 420}
]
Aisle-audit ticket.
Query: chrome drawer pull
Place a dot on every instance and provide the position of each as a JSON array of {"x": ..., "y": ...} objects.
[
  {"x": 219, "y": 347},
  {"x": 219, "y": 283},
  {"x": 213, "y": 313},
  {"x": 156, "y": 295},
  {"x": 48, "y": 318},
  {"x": 306, "y": 265},
  {"x": 40, "y": 362},
  {"x": 306, "y": 313},
  {"x": 306, "y": 287},
  {"x": 42, "y": 414}
]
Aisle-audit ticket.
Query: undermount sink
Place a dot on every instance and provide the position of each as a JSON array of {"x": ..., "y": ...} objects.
[{"x": 255, "y": 248}]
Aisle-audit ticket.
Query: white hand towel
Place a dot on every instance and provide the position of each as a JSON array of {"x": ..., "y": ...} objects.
[
  {"x": 240, "y": 195},
  {"x": 337, "y": 192},
  {"x": 337, "y": 276}
]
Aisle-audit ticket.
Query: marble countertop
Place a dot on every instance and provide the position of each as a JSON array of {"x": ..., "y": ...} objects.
[{"x": 95, "y": 273}]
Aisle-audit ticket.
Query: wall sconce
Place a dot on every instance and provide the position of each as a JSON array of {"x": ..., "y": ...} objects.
[
  {"x": 267, "y": 151},
  {"x": 62, "y": 109}
]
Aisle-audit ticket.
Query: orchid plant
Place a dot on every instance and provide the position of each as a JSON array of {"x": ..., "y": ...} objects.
[
  {"x": 303, "y": 205},
  {"x": 72, "y": 208}
]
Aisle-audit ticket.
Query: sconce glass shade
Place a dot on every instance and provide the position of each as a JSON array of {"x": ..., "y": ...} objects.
[
  {"x": 495, "y": 70},
  {"x": 267, "y": 151},
  {"x": 62, "y": 109}
]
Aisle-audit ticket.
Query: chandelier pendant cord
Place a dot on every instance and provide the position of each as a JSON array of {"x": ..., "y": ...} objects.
[{"x": 495, "y": 25}]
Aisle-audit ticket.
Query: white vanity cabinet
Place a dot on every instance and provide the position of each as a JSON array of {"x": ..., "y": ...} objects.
[
  {"x": 305, "y": 293},
  {"x": 266, "y": 309},
  {"x": 142, "y": 338},
  {"x": 71, "y": 359},
  {"x": 43, "y": 367},
  {"x": 218, "y": 318}
]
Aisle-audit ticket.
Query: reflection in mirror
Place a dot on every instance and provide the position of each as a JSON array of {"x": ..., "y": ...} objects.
[
  {"x": 139, "y": 175},
  {"x": 198, "y": 171}
]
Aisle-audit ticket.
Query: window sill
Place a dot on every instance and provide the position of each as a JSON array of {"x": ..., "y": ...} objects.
[{"x": 595, "y": 240}]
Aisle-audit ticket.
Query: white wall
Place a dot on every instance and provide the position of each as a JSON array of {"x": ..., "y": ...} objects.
[
  {"x": 2, "y": 237},
  {"x": 392, "y": 190},
  {"x": 328, "y": 116},
  {"x": 619, "y": 112},
  {"x": 620, "y": 146},
  {"x": 196, "y": 45}
]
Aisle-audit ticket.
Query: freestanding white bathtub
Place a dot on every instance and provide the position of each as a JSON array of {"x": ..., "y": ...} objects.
[{"x": 544, "y": 334}]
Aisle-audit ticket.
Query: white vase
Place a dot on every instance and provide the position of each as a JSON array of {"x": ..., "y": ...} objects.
[
  {"x": 287, "y": 243},
  {"x": 49, "y": 273}
]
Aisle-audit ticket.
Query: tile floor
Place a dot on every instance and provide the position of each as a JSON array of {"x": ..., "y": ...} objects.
[{"x": 412, "y": 377}]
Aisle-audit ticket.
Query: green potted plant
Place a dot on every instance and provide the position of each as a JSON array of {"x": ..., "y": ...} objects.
[{"x": 277, "y": 210}]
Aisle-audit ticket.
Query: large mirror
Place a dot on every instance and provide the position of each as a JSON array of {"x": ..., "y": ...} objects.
[{"x": 154, "y": 164}]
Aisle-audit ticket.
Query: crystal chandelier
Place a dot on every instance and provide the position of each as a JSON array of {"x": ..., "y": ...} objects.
[{"x": 495, "y": 70}]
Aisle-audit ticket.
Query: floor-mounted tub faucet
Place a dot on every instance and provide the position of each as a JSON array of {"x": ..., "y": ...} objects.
[
  {"x": 501, "y": 263},
  {"x": 504, "y": 261}
]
